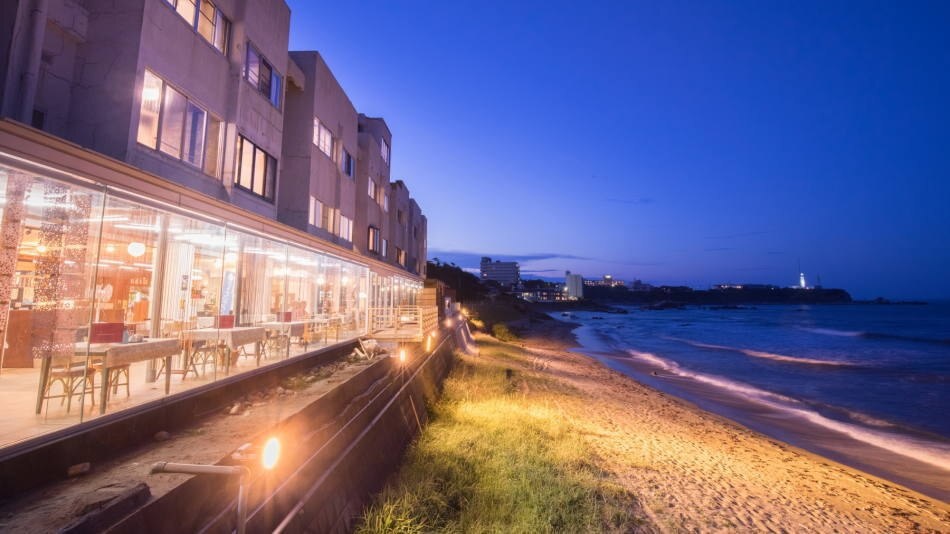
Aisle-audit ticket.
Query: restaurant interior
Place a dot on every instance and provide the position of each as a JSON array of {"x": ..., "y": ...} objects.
[{"x": 115, "y": 301}]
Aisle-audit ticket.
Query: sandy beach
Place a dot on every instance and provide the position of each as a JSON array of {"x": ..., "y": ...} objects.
[{"x": 692, "y": 470}]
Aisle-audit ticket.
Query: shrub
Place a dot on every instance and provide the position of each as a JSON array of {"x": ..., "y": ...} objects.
[{"x": 502, "y": 332}]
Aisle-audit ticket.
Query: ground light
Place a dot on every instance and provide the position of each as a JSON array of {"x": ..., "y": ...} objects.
[{"x": 269, "y": 455}]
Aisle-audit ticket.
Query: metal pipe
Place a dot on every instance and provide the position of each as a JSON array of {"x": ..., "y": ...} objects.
[
  {"x": 243, "y": 474},
  {"x": 32, "y": 73}
]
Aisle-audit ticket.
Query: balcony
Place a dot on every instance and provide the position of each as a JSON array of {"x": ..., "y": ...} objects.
[{"x": 403, "y": 323}]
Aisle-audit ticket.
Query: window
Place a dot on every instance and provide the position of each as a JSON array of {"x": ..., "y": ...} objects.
[
  {"x": 372, "y": 190},
  {"x": 256, "y": 169},
  {"x": 316, "y": 212},
  {"x": 173, "y": 124},
  {"x": 386, "y": 202},
  {"x": 348, "y": 164},
  {"x": 207, "y": 19},
  {"x": 384, "y": 150},
  {"x": 260, "y": 74},
  {"x": 346, "y": 228},
  {"x": 323, "y": 138},
  {"x": 329, "y": 221},
  {"x": 373, "y": 239},
  {"x": 384, "y": 248},
  {"x": 401, "y": 256},
  {"x": 401, "y": 217}
]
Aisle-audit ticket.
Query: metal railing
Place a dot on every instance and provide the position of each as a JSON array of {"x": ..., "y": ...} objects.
[{"x": 403, "y": 322}]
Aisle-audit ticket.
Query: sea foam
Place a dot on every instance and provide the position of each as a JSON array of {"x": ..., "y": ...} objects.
[
  {"x": 768, "y": 355},
  {"x": 932, "y": 453}
]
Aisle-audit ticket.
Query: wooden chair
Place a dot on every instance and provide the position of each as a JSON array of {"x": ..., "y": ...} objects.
[
  {"x": 203, "y": 352},
  {"x": 275, "y": 344},
  {"x": 308, "y": 336},
  {"x": 116, "y": 376},
  {"x": 74, "y": 377}
]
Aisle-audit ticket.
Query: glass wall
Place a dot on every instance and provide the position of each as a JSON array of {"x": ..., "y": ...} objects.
[{"x": 109, "y": 301}]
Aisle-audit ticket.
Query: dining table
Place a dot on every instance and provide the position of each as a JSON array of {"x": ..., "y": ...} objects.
[
  {"x": 108, "y": 356},
  {"x": 232, "y": 338}
]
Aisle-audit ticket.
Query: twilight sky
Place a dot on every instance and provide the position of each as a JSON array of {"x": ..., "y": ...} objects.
[{"x": 679, "y": 143}]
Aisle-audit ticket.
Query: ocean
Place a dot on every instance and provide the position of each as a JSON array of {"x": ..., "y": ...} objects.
[{"x": 866, "y": 385}]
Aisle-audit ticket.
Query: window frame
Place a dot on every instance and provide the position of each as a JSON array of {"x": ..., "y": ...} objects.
[
  {"x": 270, "y": 170},
  {"x": 348, "y": 165},
  {"x": 273, "y": 89},
  {"x": 218, "y": 20},
  {"x": 372, "y": 238},
  {"x": 208, "y": 117}
]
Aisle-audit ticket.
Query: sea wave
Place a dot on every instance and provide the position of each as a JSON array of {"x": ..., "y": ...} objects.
[
  {"x": 833, "y": 332},
  {"x": 874, "y": 335},
  {"x": 768, "y": 355},
  {"x": 883, "y": 335},
  {"x": 929, "y": 452}
]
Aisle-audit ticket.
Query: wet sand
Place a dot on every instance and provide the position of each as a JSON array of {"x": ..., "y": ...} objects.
[{"x": 694, "y": 470}]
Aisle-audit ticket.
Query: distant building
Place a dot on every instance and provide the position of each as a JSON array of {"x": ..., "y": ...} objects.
[
  {"x": 506, "y": 273},
  {"x": 606, "y": 281},
  {"x": 573, "y": 286},
  {"x": 639, "y": 285},
  {"x": 548, "y": 293}
]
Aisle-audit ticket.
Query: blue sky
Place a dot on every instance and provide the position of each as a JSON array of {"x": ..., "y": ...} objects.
[{"x": 679, "y": 143}]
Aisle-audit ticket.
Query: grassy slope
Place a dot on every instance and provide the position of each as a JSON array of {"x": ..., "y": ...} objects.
[{"x": 503, "y": 454}]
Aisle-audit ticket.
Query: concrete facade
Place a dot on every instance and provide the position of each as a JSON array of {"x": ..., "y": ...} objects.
[
  {"x": 373, "y": 190},
  {"x": 96, "y": 71},
  {"x": 90, "y": 82},
  {"x": 307, "y": 170},
  {"x": 399, "y": 209}
]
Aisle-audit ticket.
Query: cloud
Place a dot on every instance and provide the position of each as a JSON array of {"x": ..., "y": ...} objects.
[
  {"x": 465, "y": 258},
  {"x": 735, "y": 236}
]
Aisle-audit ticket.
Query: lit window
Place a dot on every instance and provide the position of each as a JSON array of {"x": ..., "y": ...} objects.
[
  {"x": 262, "y": 76},
  {"x": 346, "y": 228},
  {"x": 169, "y": 122},
  {"x": 256, "y": 169},
  {"x": 206, "y": 19},
  {"x": 316, "y": 212},
  {"x": 372, "y": 190},
  {"x": 173, "y": 121},
  {"x": 373, "y": 239},
  {"x": 329, "y": 221},
  {"x": 323, "y": 138},
  {"x": 148, "y": 116},
  {"x": 401, "y": 256},
  {"x": 384, "y": 150}
]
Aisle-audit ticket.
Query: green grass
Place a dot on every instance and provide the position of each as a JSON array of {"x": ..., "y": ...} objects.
[{"x": 500, "y": 455}]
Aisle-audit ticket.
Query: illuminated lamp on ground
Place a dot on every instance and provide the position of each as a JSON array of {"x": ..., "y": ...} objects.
[{"x": 269, "y": 455}]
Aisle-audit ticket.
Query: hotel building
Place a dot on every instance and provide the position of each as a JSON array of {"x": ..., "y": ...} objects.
[
  {"x": 506, "y": 273},
  {"x": 191, "y": 203}
]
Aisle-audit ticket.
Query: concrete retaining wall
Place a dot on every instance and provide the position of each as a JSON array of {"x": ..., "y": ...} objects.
[
  {"x": 339, "y": 452},
  {"x": 46, "y": 459}
]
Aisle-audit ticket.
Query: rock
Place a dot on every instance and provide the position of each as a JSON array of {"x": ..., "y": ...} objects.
[
  {"x": 235, "y": 409},
  {"x": 78, "y": 469},
  {"x": 162, "y": 436}
]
